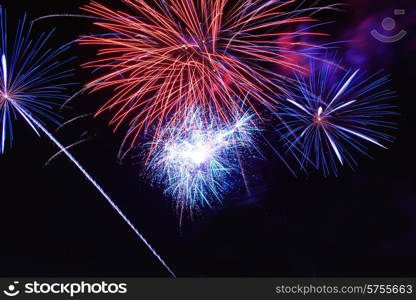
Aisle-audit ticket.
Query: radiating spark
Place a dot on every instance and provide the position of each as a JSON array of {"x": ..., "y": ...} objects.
[{"x": 4, "y": 66}]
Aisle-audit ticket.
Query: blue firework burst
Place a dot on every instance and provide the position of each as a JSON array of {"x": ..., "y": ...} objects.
[
  {"x": 31, "y": 78},
  {"x": 332, "y": 114},
  {"x": 196, "y": 162}
]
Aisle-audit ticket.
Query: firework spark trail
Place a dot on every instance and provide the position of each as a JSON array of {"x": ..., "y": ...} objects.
[
  {"x": 327, "y": 116},
  {"x": 23, "y": 92},
  {"x": 196, "y": 162},
  {"x": 172, "y": 56},
  {"x": 34, "y": 122},
  {"x": 65, "y": 15}
]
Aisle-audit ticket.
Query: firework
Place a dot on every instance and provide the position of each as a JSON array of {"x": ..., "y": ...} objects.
[
  {"x": 327, "y": 117},
  {"x": 196, "y": 161},
  {"x": 31, "y": 86},
  {"x": 31, "y": 79},
  {"x": 172, "y": 56}
]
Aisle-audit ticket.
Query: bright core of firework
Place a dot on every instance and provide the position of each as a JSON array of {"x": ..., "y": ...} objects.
[
  {"x": 196, "y": 154},
  {"x": 196, "y": 161},
  {"x": 199, "y": 148}
]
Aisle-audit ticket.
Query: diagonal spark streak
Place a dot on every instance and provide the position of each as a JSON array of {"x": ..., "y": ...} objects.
[
  {"x": 362, "y": 136},
  {"x": 31, "y": 121},
  {"x": 334, "y": 146},
  {"x": 344, "y": 87},
  {"x": 300, "y": 106}
]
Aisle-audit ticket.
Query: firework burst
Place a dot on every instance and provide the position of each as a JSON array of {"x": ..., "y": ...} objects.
[
  {"x": 196, "y": 162},
  {"x": 173, "y": 56},
  {"x": 31, "y": 79},
  {"x": 327, "y": 117}
]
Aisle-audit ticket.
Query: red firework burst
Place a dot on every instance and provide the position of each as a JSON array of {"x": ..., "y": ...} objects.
[{"x": 174, "y": 55}]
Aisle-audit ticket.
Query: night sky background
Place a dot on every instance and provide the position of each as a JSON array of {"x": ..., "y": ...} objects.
[{"x": 363, "y": 223}]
